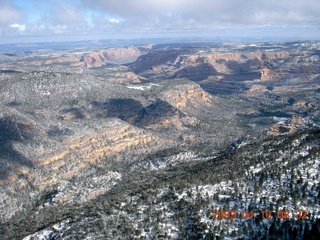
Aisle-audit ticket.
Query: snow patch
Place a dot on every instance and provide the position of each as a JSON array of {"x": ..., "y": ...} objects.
[{"x": 142, "y": 87}]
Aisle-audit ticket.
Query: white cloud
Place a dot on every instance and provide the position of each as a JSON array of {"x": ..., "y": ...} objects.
[
  {"x": 8, "y": 13},
  {"x": 114, "y": 20},
  {"x": 66, "y": 13},
  {"x": 212, "y": 13},
  {"x": 20, "y": 27},
  {"x": 157, "y": 16}
]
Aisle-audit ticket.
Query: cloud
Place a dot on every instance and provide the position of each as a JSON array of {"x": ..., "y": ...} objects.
[
  {"x": 21, "y": 27},
  {"x": 114, "y": 20},
  {"x": 157, "y": 16},
  {"x": 210, "y": 13},
  {"x": 65, "y": 13},
  {"x": 9, "y": 13}
]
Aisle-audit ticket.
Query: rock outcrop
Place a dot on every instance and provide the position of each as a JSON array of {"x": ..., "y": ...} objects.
[
  {"x": 279, "y": 129},
  {"x": 269, "y": 75},
  {"x": 287, "y": 128},
  {"x": 220, "y": 62},
  {"x": 100, "y": 58},
  {"x": 56, "y": 165},
  {"x": 258, "y": 88},
  {"x": 188, "y": 95}
]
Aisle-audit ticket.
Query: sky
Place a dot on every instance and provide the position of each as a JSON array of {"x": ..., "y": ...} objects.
[{"x": 68, "y": 20}]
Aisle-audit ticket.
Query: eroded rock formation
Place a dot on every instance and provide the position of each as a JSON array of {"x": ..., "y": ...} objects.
[
  {"x": 97, "y": 59},
  {"x": 188, "y": 95}
]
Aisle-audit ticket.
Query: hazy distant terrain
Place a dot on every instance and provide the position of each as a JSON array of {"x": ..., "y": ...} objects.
[{"x": 144, "y": 141}]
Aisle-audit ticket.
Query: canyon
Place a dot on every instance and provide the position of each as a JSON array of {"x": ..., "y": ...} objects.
[{"x": 83, "y": 124}]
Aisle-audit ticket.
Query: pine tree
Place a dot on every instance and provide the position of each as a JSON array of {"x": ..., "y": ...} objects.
[
  {"x": 295, "y": 233},
  {"x": 315, "y": 233},
  {"x": 306, "y": 233},
  {"x": 273, "y": 231}
]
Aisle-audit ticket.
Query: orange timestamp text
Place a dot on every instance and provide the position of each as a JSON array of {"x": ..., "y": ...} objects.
[{"x": 265, "y": 214}]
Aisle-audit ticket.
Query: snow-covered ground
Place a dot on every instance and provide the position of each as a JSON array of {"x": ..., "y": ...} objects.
[{"x": 143, "y": 87}]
